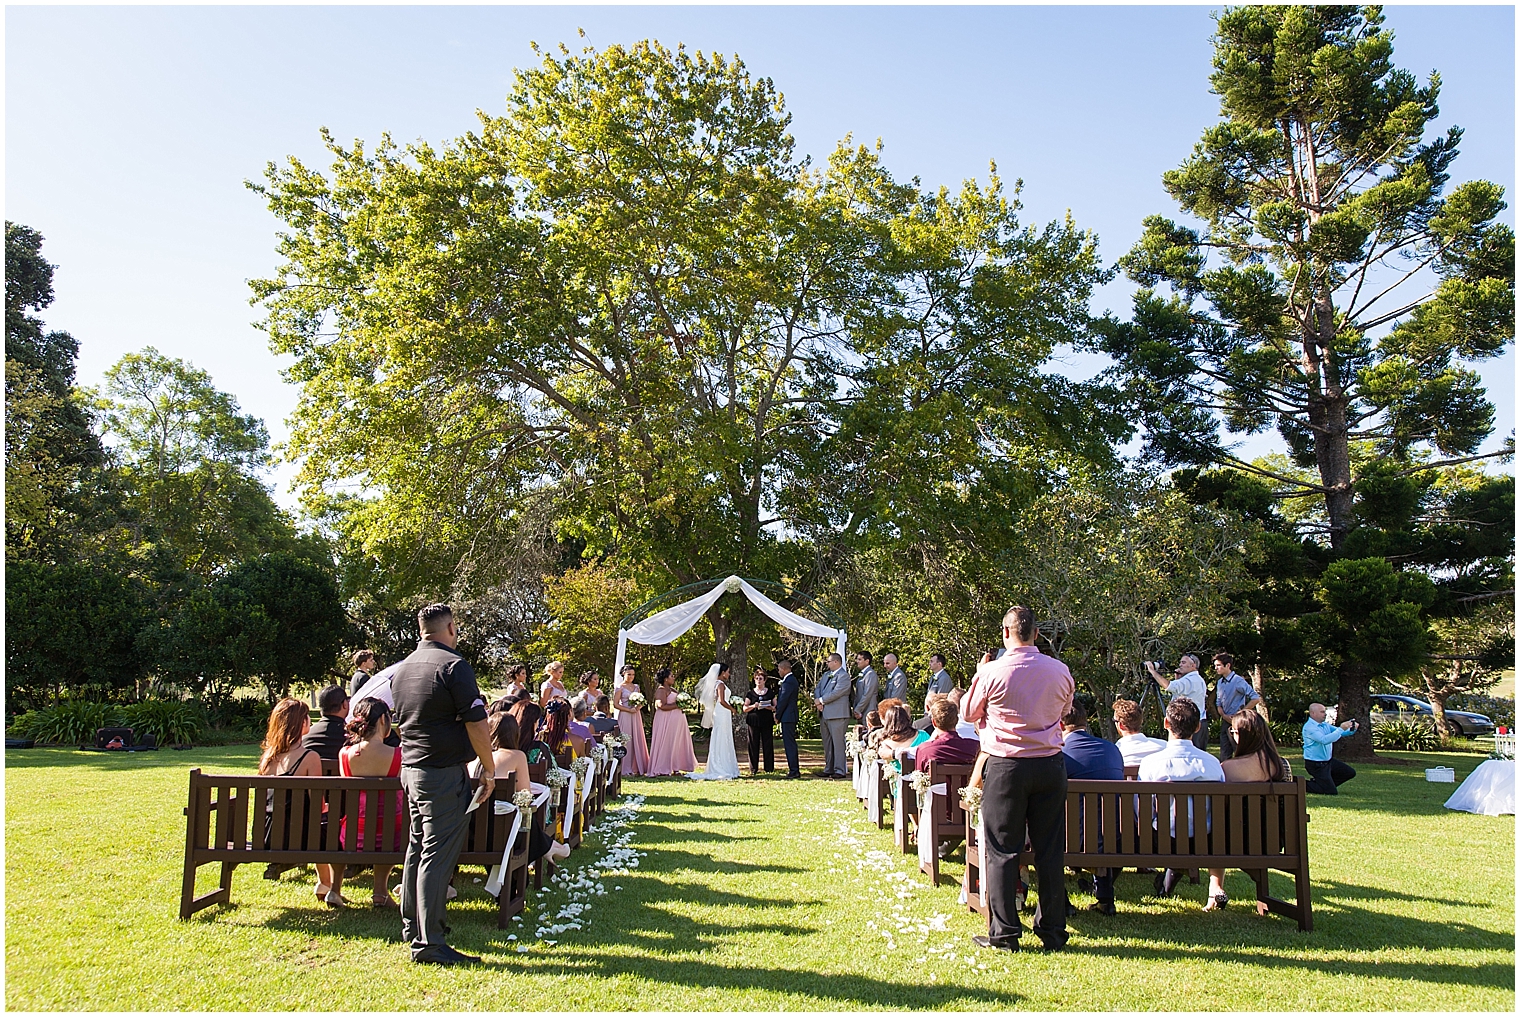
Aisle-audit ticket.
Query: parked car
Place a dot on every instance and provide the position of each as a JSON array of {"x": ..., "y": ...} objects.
[{"x": 1468, "y": 725}]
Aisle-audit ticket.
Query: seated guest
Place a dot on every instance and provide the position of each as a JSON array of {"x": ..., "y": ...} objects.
[
  {"x": 578, "y": 713},
  {"x": 872, "y": 733},
  {"x": 529, "y": 716},
  {"x": 1256, "y": 760},
  {"x": 557, "y": 734},
  {"x": 1089, "y": 757},
  {"x": 1181, "y": 760},
  {"x": 368, "y": 755},
  {"x": 945, "y": 745},
  {"x": 1326, "y": 773},
  {"x": 896, "y": 731},
  {"x": 283, "y": 755},
  {"x": 602, "y": 722},
  {"x": 965, "y": 729},
  {"x": 327, "y": 736},
  {"x": 513, "y": 762},
  {"x": 1134, "y": 745},
  {"x": 926, "y": 722}
]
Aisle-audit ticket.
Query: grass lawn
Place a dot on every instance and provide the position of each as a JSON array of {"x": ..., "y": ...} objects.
[{"x": 748, "y": 895}]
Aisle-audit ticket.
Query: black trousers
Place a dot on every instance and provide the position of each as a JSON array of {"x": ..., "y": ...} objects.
[
  {"x": 762, "y": 736},
  {"x": 1025, "y": 797},
  {"x": 1226, "y": 741},
  {"x": 789, "y": 744},
  {"x": 1325, "y": 775},
  {"x": 436, "y": 799}
]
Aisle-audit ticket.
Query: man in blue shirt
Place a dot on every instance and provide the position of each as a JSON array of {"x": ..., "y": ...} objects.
[
  {"x": 1232, "y": 696},
  {"x": 1089, "y": 757},
  {"x": 1325, "y": 772}
]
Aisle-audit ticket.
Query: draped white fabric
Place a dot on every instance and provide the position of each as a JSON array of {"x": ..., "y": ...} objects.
[{"x": 673, "y": 622}]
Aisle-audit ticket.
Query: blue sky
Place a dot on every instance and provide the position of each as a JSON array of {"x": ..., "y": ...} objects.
[{"x": 130, "y": 131}]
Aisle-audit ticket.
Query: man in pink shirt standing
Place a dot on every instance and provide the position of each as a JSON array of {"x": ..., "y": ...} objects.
[{"x": 1016, "y": 703}]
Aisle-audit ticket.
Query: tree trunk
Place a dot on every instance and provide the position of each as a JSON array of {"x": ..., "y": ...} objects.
[
  {"x": 1355, "y": 704},
  {"x": 1332, "y": 454},
  {"x": 1438, "y": 714}
]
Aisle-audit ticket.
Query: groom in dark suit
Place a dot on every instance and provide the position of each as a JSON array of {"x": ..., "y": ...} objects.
[{"x": 786, "y": 715}]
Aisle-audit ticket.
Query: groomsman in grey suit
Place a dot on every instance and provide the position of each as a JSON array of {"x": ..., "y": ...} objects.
[
  {"x": 833, "y": 704},
  {"x": 897, "y": 679},
  {"x": 941, "y": 682},
  {"x": 866, "y": 686}
]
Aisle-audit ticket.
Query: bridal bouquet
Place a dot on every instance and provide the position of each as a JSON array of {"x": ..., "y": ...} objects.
[
  {"x": 636, "y": 698},
  {"x": 737, "y": 702}
]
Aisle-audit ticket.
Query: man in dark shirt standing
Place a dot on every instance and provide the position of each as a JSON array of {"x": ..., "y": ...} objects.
[
  {"x": 327, "y": 735},
  {"x": 442, "y": 718},
  {"x": 786, "y": 716},
  {"x": 1089, "y": 757}
]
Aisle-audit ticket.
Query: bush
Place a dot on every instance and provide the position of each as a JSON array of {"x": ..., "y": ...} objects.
[
  {"x": 1409, "y": 734},
  {"x": 170, "y": 722},
  {"x": 1286, "y": 733},
  {"x": 69, "y": 723}
]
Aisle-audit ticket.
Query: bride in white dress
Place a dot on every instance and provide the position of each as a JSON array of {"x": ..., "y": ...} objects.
[{"x": 717, "y": 715}]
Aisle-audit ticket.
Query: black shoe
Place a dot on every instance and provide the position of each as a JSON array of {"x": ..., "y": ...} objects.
[
  {"x": 986, "y": 943},
  {"x": 1052, "y": 946},
  {"x": 273, "y": 870},
  {"x": 1103, "y": 907},
  {"x": 1085, "y": 884},
  {"x": 443, "y": 955},
  {"x": 1071, "y": 909},
  {"x": 1160, "y": 884}
]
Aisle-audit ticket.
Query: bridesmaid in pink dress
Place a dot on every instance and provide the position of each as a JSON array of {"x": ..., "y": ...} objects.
[
  {"x": 670, "y": 743},
  {"x": 631, "y": 725}
]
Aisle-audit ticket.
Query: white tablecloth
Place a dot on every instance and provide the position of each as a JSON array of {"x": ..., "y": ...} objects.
[{"x": 1489, "y": 791}]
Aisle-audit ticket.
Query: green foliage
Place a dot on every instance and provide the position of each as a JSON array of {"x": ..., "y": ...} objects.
[
  {"x": 1319, "y": 199},
  {"x": 170, "y": 722},
  {"x": 189, "y": 462},
  {"x": 71, "y": 722},
  {"x": 276, "y": 618},
  {"x": 1287, "y": 733},
  {"x": 626, "y": 297},
  {"x": 72, "y": 626},
  {"x": 1407, "y": 734}
]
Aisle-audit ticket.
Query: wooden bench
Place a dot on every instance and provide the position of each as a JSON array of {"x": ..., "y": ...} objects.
[
  {"x": 878, "y": 789},
  {"x": 1253, "y": 827},
  {"x": 226, "y": 821}
]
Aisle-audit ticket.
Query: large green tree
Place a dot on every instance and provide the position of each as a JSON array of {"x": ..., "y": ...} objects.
[
  {"x": 628, "y": 296},
  {"x": 190, "y": 462},
  {"x": 51, "y": 452},
  {"x": 1336, "y": 289}
]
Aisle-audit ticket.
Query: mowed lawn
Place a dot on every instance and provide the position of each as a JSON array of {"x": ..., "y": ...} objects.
[{"x": 752, "y": 895}]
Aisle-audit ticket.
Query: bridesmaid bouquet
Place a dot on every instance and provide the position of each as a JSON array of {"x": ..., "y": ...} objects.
[
  {"x": 685, "y": 701},
  {"x": 636, "y": 698}
]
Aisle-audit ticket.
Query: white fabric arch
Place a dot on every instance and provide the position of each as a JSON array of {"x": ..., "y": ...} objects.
[{"x": 673, "y": 622}]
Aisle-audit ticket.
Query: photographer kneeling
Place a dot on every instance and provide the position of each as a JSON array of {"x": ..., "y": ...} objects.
[{"x": 1326, "y": 773}]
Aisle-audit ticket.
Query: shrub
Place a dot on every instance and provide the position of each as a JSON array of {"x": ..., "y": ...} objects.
[
  {"x": 72, "y": 722},
  {"x": 1286, "y": 733},
  {"x": 170, "y": 722},
  {"x": 1410, "y": 734}
]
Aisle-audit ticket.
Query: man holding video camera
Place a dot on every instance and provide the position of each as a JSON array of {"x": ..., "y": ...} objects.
[{"x": 1187, "y": 683}]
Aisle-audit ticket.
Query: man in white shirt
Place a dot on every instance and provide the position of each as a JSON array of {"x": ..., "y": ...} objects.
[
  {"x": 1133, "y": 744},
  {"x": 1181, "y": 760},
  {"x": 1189, "y": 684}
]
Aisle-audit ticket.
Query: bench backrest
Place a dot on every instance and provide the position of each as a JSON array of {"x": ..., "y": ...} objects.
[
  {"x": 948, "y": 813},
  {"x": 239, "y": 814},
  {"x": 1265, "y": 820}
]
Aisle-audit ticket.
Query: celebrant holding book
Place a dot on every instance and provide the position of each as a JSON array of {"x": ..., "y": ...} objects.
[{"x": 760, "y": 715}]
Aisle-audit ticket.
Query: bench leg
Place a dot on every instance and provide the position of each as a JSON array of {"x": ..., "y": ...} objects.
[{"x": 1303, "y": 895}]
